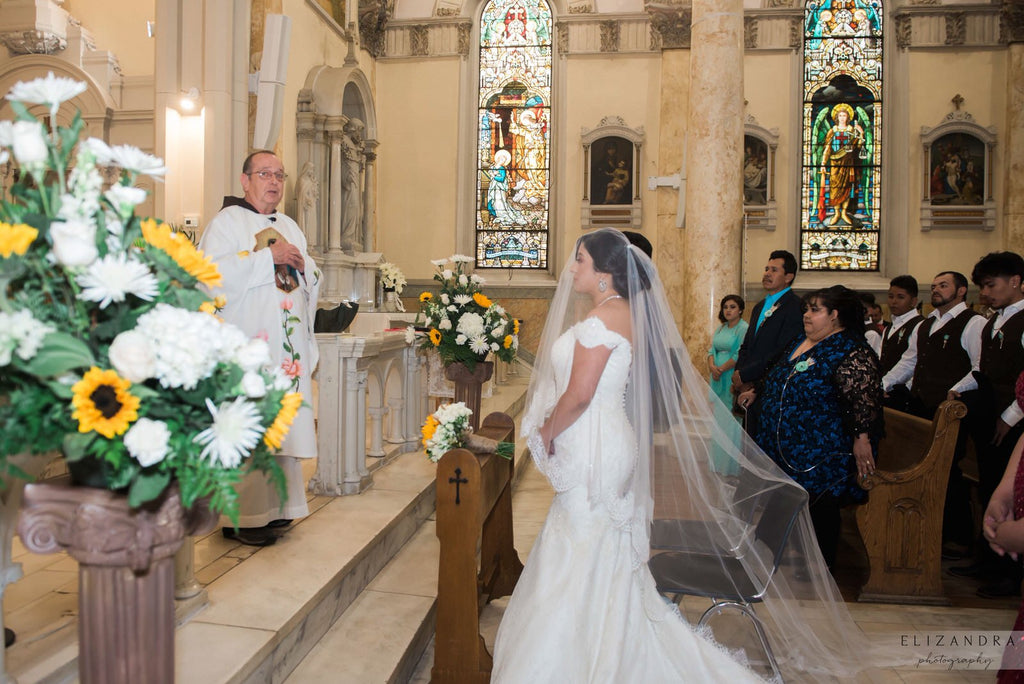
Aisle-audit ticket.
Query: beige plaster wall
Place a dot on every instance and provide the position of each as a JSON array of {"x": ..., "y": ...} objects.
[
  {"x": 119, "y": 27},
  {"x": 417, "y": 107},
  {"x": 935, "y": 77}
]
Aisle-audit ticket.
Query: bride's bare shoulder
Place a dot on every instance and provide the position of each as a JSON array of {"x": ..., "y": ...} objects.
[{"x": 615, "y": 317}]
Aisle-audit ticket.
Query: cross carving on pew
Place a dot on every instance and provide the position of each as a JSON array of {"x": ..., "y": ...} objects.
[{"x": 457, "y": 480}]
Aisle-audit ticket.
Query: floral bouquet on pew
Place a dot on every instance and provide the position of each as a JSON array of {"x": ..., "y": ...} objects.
[
  {"x": 448, "y": 428},
  {"x": 462, "y": 323},
  {"x": 111, "y": 351}
]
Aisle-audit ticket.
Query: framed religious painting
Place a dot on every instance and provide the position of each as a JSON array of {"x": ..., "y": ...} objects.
[
  {"x": 611, "y": 189},
  {"x": 759, "y": 146},
  {"x": 957, "y": 179}
]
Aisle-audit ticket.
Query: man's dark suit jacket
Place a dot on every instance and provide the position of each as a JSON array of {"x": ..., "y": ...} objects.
[{"x": 760, "y": 347}]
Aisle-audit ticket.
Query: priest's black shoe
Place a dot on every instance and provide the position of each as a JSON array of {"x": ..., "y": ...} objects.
[
  {"x": 1002, "y": 588},
  {"x": 251, "y": 536},
  {"x": 973, "y": 570},
  {"x": 8, "y": 637}
]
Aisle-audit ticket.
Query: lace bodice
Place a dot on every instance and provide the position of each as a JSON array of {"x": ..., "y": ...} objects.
[{"x": 590, "y": 333}]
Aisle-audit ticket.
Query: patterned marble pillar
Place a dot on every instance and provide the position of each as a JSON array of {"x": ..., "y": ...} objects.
[
  {"x": 334, "y": 128},
  {"x": 714, "y": 182},
  {"x": 1013, "y": 212}
]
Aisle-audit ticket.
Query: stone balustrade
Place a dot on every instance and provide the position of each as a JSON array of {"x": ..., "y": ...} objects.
[{"x": 374, "y": 381}]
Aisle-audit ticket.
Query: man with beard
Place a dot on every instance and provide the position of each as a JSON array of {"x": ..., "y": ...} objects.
[
  {"x": 774, "y": 322},
  {"x": 948, "y": 352}
]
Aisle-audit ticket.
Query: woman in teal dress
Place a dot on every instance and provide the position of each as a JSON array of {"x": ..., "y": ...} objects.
[{"x": 725, "y": 346}]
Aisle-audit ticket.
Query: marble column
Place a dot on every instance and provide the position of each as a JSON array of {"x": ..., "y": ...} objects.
[
  {"x": 369, "y": 193},
  {"x": 334, "y": 127},
  {"x": 1013, "y": 189},
  {"x": 713, "y": 158}
]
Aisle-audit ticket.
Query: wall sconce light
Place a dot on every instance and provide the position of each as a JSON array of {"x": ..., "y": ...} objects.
[
  {"x": 189, "y": 102},
  {"x": 150, "y": 28}
]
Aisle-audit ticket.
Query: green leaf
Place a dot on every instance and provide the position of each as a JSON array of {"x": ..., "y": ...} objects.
[
  {"x": 59, "y": 353},
  {"x": 146, "y": 487},
  {"x": 76, "y": 445}
]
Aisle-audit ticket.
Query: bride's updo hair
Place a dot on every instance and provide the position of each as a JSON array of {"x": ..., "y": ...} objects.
[{"x": 610, "y": 251}]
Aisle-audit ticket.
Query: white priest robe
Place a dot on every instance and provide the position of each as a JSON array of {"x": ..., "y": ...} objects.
[{"x": 254, "y": 304}]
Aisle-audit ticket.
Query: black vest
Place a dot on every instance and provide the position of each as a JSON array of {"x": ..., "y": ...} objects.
[
  {"x": 1002, "y": 357},
  {"x": 896, "y": 343},
  {"x": 941, "y": 360}
]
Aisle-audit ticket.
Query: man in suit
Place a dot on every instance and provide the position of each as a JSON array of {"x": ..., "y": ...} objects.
[{"x": 774, "y": 323}]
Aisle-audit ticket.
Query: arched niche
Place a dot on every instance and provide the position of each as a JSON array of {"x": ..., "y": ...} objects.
[
  {"x": 957, "y": 174},
  {"x": 612, "y": 162},
  {"x": 759, "y": 147}
]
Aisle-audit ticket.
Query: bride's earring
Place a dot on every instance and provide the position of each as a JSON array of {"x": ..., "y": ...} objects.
[{"x": 602, "y": 285}]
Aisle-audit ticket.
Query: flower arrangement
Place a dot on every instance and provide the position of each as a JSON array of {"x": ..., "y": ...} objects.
[
  {"x": 448, "y": 428},
  {"x": 110, "y": 348},
  {"x": 461, "y": 323},
  {"x": 391, "y": 277}
]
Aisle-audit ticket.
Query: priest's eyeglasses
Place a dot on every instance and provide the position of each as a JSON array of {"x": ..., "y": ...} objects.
[{"x": 265, "y": 175}]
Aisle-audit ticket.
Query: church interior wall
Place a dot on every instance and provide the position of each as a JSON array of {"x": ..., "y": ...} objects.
[
  {"x": 126, "y": 36},
  {"x": 418, "y": 113},
  {"x": 935, "y": 77}
]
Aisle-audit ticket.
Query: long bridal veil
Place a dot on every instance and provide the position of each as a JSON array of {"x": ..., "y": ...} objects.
[{"x": 701, "y": 478}]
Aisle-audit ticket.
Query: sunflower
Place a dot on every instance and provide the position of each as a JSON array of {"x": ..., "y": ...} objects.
[
  {"x": 508, "y": 341},
  {"x": 15, "y": 239},
  {"x": 103, "y": 403},
  {"x": 429, "y": 428},
  {"x": 515, "y": 326},
  {"x": 184, "y": 253},
  {"x": 435, "y": 336},
  {"x": 426, "y": 296},
  {"x": 482, "y": 300},
  {"x": 275, "y": 434}
]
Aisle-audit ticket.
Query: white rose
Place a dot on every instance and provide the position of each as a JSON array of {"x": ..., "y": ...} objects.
[
  {"x": 124, "y": 198},
  {"x": 447, "y": 273},
  {"x": 494, "y": 346},
  {"x": 253, "y": 385},
  {"x": 463, "y": 280},
  {"x": 253, "y": 355},
  {"x": 28, "y": 142},
  {"x": 460, "y": 339},
  {"x": 132, "y": 356},
  {"x": 445, "y": 324},
  {"x": 6, "y": 133},
  {"x": 147, "y": 440},
  {"x": 74, "y": 242},
  {"x": 445, "y": 299}
]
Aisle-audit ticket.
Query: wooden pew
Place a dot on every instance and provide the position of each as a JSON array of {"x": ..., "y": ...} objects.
[
  {"x": 901, "y": 524},
  {"x": 474, "y": 514}
]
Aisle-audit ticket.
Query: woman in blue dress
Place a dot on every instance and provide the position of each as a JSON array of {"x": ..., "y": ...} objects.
[
  {"x": 821, "y": 409},
  {"x": 725, "y": 346}
]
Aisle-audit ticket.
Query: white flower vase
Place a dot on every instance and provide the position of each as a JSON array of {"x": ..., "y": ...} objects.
[{"x": 392, "y": 303}]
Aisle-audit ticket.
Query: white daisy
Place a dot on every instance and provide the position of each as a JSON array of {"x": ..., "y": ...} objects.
[
  {"x": 114, "y": 277},
  {"x": 51, "y": 90},
  {"x": 477, "y": 279},
  {"x": 439, "y": 262},
  {"x": 461, "y": 258},
  {"x": 124, "y": 198},
  {"x": 97, "y": 148},
  {"x": 147, "y": 440},
  {"x": 236, "y": 430},
  {"x": 131, "y": 158},
  {"x": 410, "y": 335},
  {"x": 478, "y": 345},
  {"x": 462, "y": 299}
]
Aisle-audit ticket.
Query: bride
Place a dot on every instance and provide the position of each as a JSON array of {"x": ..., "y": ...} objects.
[{"x": 623, "y": 427}]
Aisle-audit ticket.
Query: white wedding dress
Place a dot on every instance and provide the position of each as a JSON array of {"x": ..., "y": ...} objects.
[{"x": 586, "y": 608}]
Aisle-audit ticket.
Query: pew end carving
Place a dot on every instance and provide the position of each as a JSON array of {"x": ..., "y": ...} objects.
[
  {"x": 901, "y": 523},
  {"x": 474, "y": 513}
]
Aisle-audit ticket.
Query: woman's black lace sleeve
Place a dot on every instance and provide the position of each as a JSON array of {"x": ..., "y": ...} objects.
[{"x": 858, "y": 381}]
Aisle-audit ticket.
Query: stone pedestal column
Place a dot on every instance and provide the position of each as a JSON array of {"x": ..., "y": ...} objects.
[
  {"x": 1013, "y": 212},
  {"x": 334, "y": 127},
  {"x": 714, "y": 181},
  {"x": 369, "y": 193}
]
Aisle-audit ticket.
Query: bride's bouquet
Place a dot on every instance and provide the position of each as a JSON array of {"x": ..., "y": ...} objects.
[{"x": 448, "y": 428}]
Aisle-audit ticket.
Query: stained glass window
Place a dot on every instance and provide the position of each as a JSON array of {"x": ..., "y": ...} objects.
[
  {"x": 842, "y": 123},
  {"x": 513, "y": 145}
]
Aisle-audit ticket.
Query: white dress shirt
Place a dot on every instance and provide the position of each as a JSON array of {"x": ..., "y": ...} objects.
[
  {"x": 1012, "y": 414},
  {"x": 903, "y": 371},
  {"x": 970, "y": 340}
]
